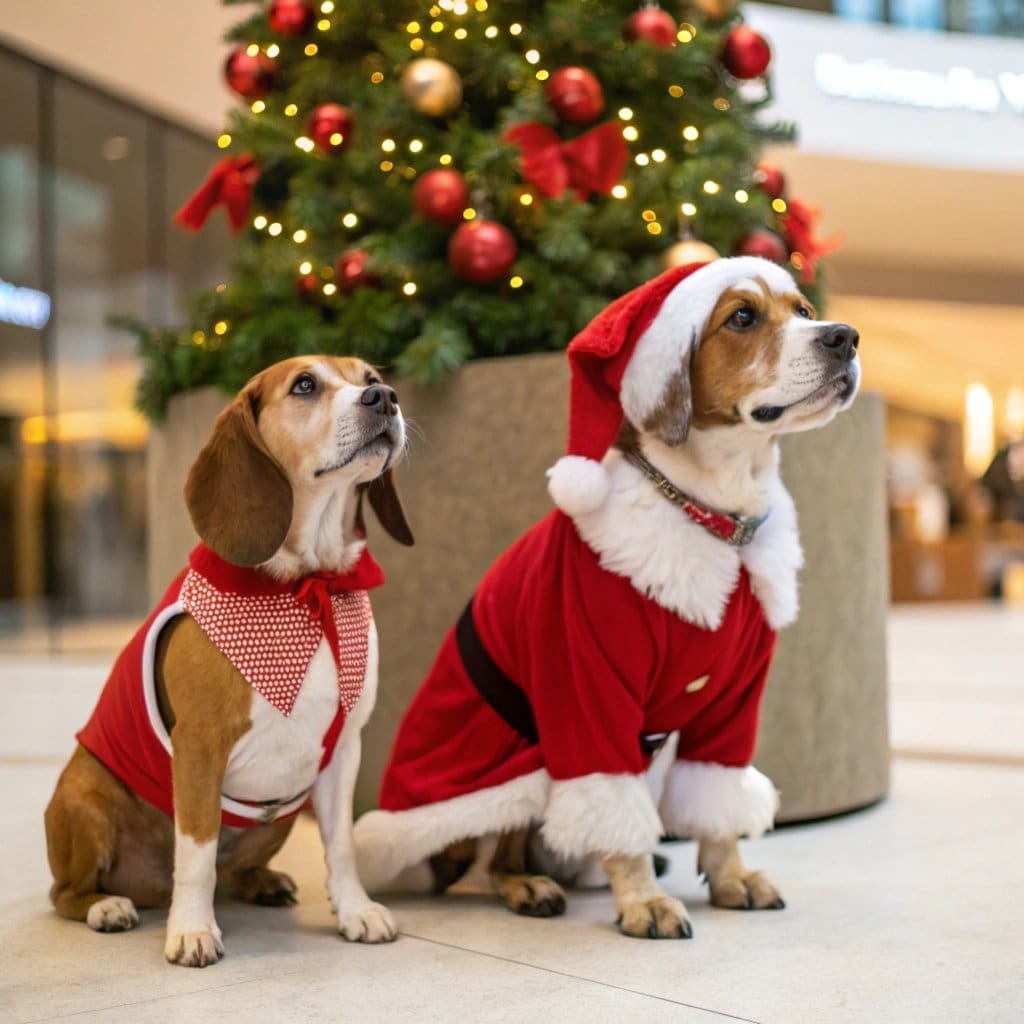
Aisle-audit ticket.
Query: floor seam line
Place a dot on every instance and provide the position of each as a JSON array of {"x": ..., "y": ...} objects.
[{"x": 576, "y": 977}]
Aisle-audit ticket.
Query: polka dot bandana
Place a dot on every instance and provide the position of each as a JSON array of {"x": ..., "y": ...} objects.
[{"x": 272, "y": 637}]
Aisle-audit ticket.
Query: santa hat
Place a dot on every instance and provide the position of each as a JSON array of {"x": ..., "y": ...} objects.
[{"x": 657, "y": 323}]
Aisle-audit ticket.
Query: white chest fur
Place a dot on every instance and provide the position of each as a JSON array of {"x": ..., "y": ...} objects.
[{"x": 279, "y": 756}]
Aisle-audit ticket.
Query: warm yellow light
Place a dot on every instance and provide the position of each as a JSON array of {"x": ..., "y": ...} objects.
[
  {"x": 684, "y": 35},
  {"x": 409, "y": 288},
  {"x": 654, "y": 228},
  {"x": 199, "y": 337},
  {"x": 675, "y": 91},
  {"x": 273, "y": 50},
  {"x": 620, "y": 191},
  {"x": 515, "y": 28},
  {"x": 416, "y": 45},
  {"x": 291, "y": 110},
  {"x": 330, "y": 288},
  {"x": 327, "y": 7},
  {"x": 461, "y": 33},
  {"x": 416, "y": 146},
  {"x": 350, "y": 220},
  {"x": 469, "y": 213},
  {"x": 386, "y": 165},
  {"x": 712, "y": 188},
  {"x": 123, "y": 428},
  {"x": 1014, "y": 417},
  {"x": 444, "y": 159},
  {"x": 649, "y": 215},
  {"x": 460, "y": 7},
  {"x": 435, "y": 11},
  {"x": 412, "y": 28},
  {"x": 515, "y": 282},
  {"x": 630, "y": 133},
  {"x": 253, "y": 49},
  {"x": 275, "y": 229},
  {"x": 336, "y": 138},
  {"x": 642, "y": 159},
  {"x": 690, "y": 133},
  {"x": 311, "y": 50},
  {"x": 260, "y": 222},
  {"x": 305, "y": 267},
  {"x": 688, "y": 209},
  {"x": 220, "y": 327},
  {"x": 741, "y": 195},
  {"x": 306, "y": 144},
  {"x": 221, "y": 288},
  {"x": 258, "y": 107},
  {"x": 323, "y": 24},
  {"x": 437, "y": 26},
  {"x": 541, "y": 76},
  {"x": 532, "y": 56},
  {"x": 481, "y": 5},
  {"x": 626, "y": 113},
  {"x": 979, "y": 429},
  {"x": 658, "y": 155},
  {"x": 526, "y": 199},
  {"x": 376, "y": 78},
  {"x": 722, "y": 104},
  {"x": 491, "y": 31},
  {"x": 388, "y": 145},
  {"x": 300, "y": 236},
  {"x": 779, "y": 205},
  {"x": 223, "y": 141}
]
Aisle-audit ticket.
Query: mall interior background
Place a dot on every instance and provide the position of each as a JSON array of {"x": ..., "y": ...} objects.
[{"x": 920, "y": 170}]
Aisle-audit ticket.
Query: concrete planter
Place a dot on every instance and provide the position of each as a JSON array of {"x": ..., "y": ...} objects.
[{"x": 475, "y": 481}]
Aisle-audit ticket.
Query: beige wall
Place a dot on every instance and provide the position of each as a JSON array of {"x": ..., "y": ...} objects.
[{"x": 165, "y": 55}]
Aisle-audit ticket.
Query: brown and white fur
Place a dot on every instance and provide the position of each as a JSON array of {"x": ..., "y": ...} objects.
[
  {"x": 279, "y": 486},
  {"x": 706, "y": 396}
]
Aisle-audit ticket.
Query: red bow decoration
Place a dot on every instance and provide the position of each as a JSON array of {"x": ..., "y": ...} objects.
[
  {"x": 592, "y": 162},
  {"x": 798, "y": 226},
  {"x": 230, "y": 183}
]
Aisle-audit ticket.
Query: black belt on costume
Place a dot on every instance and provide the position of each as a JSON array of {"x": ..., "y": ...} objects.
[{"x": 504, "y": 697}]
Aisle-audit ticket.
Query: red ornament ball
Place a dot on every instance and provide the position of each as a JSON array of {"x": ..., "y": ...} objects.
[
  {"x": 331, "y": 126},
  {"x": 653, "y": 25},
  {"x": 764, "y": 243},
  {"x": 252, "y": 77},
  {"x": 440, "y": 196},
  {"x": 350, "y": 271},
  {"x": 291, "y": 17},
  {"x": 770, "y": 180},
  {"x": 746, "y": 53},
  {"x": 309, "y": 286},
  {"x": 575, "y": 95},
  {"x": 482, "y": 251}
]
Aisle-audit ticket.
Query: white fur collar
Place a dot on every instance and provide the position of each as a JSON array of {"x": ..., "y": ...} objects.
[{"x": 669, "y": 558}]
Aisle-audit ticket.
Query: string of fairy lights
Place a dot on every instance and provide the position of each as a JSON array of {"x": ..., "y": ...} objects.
[{"x": 394, "y": 151}]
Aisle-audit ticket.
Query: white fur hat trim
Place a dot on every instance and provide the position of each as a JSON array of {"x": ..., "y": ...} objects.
[{"x": 578, "y": 485}]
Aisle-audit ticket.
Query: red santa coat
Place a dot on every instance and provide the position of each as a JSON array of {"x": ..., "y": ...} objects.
[
  {"x": 269, "y": 631},
  {"x": 600, "y": 665}
]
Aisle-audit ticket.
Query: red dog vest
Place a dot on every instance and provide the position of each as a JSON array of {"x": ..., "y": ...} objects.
[{"x": 268, "y": 630}]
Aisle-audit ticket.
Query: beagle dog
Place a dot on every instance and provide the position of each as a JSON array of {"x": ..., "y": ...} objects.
[
  {"x": 245, "y": 691},
  {"x": 645, "y": 606}
]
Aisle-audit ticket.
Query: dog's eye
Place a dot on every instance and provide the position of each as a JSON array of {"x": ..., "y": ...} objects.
[
  {"x": 743, "y": 318},
  {"x": 305, "y": 384},
  {"x": 804, "y": 312}
]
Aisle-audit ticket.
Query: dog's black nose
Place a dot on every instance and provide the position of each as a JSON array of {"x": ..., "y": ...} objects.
[
  {"x": 840, "y": 340},
  {"x": 380, "y": 398}
]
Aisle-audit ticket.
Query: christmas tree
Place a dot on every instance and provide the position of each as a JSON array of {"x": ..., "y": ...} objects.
[{"x": 419, "y": 184}]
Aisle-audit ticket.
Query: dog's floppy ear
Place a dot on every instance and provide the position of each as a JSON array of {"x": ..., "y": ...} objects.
[
  {"x": 383, "y": 497},
  {"x": 669, "y": 420},
  {"x": 237, "y": 493}
]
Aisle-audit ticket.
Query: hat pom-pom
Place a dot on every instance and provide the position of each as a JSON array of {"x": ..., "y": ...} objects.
[{"x": 578, "y": 485}]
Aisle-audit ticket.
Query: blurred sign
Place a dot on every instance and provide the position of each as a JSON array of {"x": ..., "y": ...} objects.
[{"x": 25, "y": 307}]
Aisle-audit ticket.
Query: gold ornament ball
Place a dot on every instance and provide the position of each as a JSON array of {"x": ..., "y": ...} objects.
[
  {"x": 432, "y": 86},
  {"x": 689, "y": 250},
  {"x": 715, "y": 11}
]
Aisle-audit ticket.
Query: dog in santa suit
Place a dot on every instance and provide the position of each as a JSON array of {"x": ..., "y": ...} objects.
[{"x": 646, "y": 604}]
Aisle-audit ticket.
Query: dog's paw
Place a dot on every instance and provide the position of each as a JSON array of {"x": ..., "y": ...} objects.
[
  {"x": 532, "y": 895},
  {"x": 113, "y": 914},
  {"x": 194, "y": 949},
  {"x": 371, "y": 922},
  {"x": 266, "y": 888},
  {"x": 749, "y": 891},
  {"x": 660, "y": 918}
]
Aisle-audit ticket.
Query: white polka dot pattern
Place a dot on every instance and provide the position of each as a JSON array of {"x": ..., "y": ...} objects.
[{"x": 271, "y": 638}]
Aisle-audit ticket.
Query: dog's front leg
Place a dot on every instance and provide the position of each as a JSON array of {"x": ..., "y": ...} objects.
[
  {"x": 730, "y": 883},
  {"x": 646, "y": 911},
  {"x": 193, "y": 938},
  {"x": 360, "y": 919}
]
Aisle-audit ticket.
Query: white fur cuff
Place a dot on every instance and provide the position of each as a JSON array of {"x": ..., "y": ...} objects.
[
  {"x": 578, "y": 485},
  {"x": 601, "y": 814},
  {"x": 712, "y": 801}
]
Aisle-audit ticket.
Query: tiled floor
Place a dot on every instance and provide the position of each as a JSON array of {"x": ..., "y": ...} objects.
[{"x": 908, "y": 912}]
